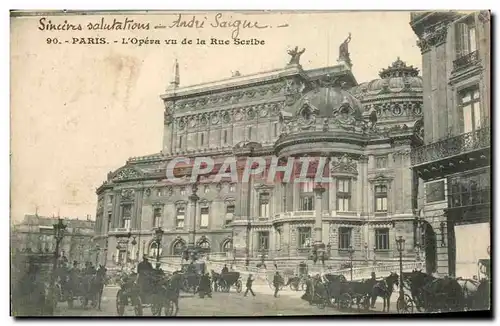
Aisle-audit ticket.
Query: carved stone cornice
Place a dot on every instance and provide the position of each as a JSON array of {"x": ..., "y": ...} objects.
[
  {"x": 127, "y": 195},
  {"x": 381, "y": 179},
  {"x": 343, "y": 164},
  {"x": 158, "y": 204},
  {"x": 484, "y": 16},
  {"x": 127, "y": 173},
  {"x": 433, "y": 37}
]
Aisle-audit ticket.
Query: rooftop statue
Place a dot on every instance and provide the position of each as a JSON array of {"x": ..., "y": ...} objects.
[{"x": 295, "y": 55}]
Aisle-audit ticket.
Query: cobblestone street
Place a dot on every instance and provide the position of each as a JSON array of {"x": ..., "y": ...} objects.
[{"x": 225, "y": 304}]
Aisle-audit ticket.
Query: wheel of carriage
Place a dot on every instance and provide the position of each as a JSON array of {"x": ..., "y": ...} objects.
[
  {"x": 169, "y": 308},
  {"x": 121, "y": 302},
  {"x": 405, "y": 305},
  {"x": 365, "y": 303},
  {"x": 224, "y": 286},
  {"x": 156, "y": 304},
  {"x": 239, "y": 286},
  {"x": 322, "y": 303},
  {"x": 345, "y": 301},
  {"x": 137, "y": 302}
]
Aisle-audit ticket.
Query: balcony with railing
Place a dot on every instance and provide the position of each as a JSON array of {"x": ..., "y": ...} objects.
[
  {"x": 466, "y": 61},
  {"x": 447, "y": 148}
]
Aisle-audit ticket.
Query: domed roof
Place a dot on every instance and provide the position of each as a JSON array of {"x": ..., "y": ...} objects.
[
  {"x": 397, "y": 78},
  {"x": 325, "y": 101}
]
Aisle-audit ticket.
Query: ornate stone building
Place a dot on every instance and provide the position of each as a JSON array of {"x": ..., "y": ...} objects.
[
  {"x": 35, "y": 234},
  {"x": 364, "y": 133},
  {"x": 453, "y": 165}
]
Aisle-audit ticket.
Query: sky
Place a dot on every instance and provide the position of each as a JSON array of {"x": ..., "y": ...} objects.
[{"x": 79, "y": 111}]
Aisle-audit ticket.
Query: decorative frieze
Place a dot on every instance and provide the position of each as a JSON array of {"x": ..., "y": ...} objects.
[
  {"x": 126, "y": 174},
  {"x": 127, "y": 194},
  {"x": 433, "y": 37},
  {"x": 343, "y": 164}
]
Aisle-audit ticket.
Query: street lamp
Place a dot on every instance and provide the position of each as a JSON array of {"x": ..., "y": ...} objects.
[
  {"x": 400, "y": 242},
  {"x": 59, "y": 230},
  {"x": 135, "y": 257},
  {"x": 97, "y": 251},
  {"x": 158, "y": 237},
  {"x": 351, "y": 253}
]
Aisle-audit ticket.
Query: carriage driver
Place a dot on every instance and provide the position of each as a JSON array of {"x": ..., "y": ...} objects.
[
  {"x": 144, "y": 271},
  {"x": 224, "y": 269}
]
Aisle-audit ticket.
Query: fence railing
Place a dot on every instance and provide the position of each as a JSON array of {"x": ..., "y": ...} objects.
[{"x": 452, "y": 146}]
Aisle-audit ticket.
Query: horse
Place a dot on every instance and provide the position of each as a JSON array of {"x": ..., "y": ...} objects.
[
  {"x": 384, "y": 289},
  {"x": 97, "y": 286},
  {"x": 436, "y": 294},
  {"x": 173, "y": 287}
]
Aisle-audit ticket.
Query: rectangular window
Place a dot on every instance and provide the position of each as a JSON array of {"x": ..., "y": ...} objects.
[
  {"x": 126, "y": 216},
  {"x": 204, "y": 217},
  {"x": 232, "y": 188},
  {"x": 308, "y": 185},
  {"x": 343, "y": 195},
  {"x": 263, "y": 237},
  {"x": 345, "y": 238},
  {"x": 434, "y": 191},
  {"x": 264, "y": 205},
  {"x": 307, "y": 203},
  {"x": 183, "y": 191},
  {"x": 381, "y": 162},
  {"x": 157, "y": 217},
  {"x": 179, "y": 218},
  {"x": 470, "y": 107},
  {"x": 275, "y": 127},
  {"x": 158, "y": 192},
  {"x": 249, "y": 133},
  {"x": 382, "y": 239},
  {"x": 465, "y": 39},
  {"x": 304, "y": 237},
  {"x": 470, "y": 189},
  {"x": 381, "y": 198},
  {"x": 225, "y": 137},
  {"x": 229, "y": 213}
]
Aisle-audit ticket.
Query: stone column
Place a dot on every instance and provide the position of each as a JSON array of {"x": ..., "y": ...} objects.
[
  {"x": 318, "y": 222},
  {"x": 193, "y": 198}
]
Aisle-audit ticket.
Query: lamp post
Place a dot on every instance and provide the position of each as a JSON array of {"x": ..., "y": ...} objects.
[
  {"x": 158, "y": 237},
  {"x": 97, "y": 251},
  {"x": 129, "y": 235},
  {"x": 135, "y": 257},
  {"x": 351, "y": 253},
  {"x": 59, "y": 230},
  {"x": 374, "y": 255},
  {"x": 400, "y": 242}
]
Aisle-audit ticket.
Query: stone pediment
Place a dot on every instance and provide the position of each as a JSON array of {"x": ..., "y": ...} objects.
[
  {"x": 344, "y": 164},
  {"x": 127, "y": 173}
]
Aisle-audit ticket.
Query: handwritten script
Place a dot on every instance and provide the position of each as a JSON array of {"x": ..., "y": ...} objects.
[{"x": 216, "y": 21}]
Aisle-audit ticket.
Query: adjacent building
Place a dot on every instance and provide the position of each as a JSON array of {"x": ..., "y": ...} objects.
[
  {"x": 35, "y": 234},
  {"x": 452, "y": 167},
  {"x": 364, "y": 132}
]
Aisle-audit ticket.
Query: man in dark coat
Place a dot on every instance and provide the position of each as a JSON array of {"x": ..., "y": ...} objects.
[
  {"x": 205, "y": 288},
  {"x": 144, "y": 271},
  {"x": 277, "y": 281},
  {"x": 224, "y": 269},
  {"x": 249, "y": 286}
]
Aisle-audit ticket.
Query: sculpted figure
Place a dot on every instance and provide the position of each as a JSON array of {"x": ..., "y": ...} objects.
[
  {"x": 344, "y": 49},
  {"x": 295, "y": 55}
]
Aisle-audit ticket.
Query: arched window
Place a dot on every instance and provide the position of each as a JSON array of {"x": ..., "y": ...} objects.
[
  {"x": 204, "y": 246},
  {"x": 227, "y": 246},
  {"x": 154, "y": 251},
  {"x": 178, "y": 248}
]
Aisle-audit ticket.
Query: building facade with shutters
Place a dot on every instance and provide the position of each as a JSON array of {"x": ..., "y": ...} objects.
[
  {"x": 35, "y": 234},
  {"x": 453, "y": 164},
  {"x": 364, "y": 133}
]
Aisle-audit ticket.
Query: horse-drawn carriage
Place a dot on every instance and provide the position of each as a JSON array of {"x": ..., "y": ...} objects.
[
  {"x": 157, "y": 293},
  {"x": 227, "y": 280},
  {"x": 297, "y": 280},
  {"x": 191, "y": 275}
]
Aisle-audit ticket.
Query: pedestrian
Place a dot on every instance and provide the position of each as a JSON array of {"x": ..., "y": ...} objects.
[
  {"x": 276, "y": 283},
  {"x": 249, "y": 286}
]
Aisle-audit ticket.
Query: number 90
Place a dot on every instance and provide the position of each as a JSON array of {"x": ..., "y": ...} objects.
[{"x": 52, "y": 41}]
